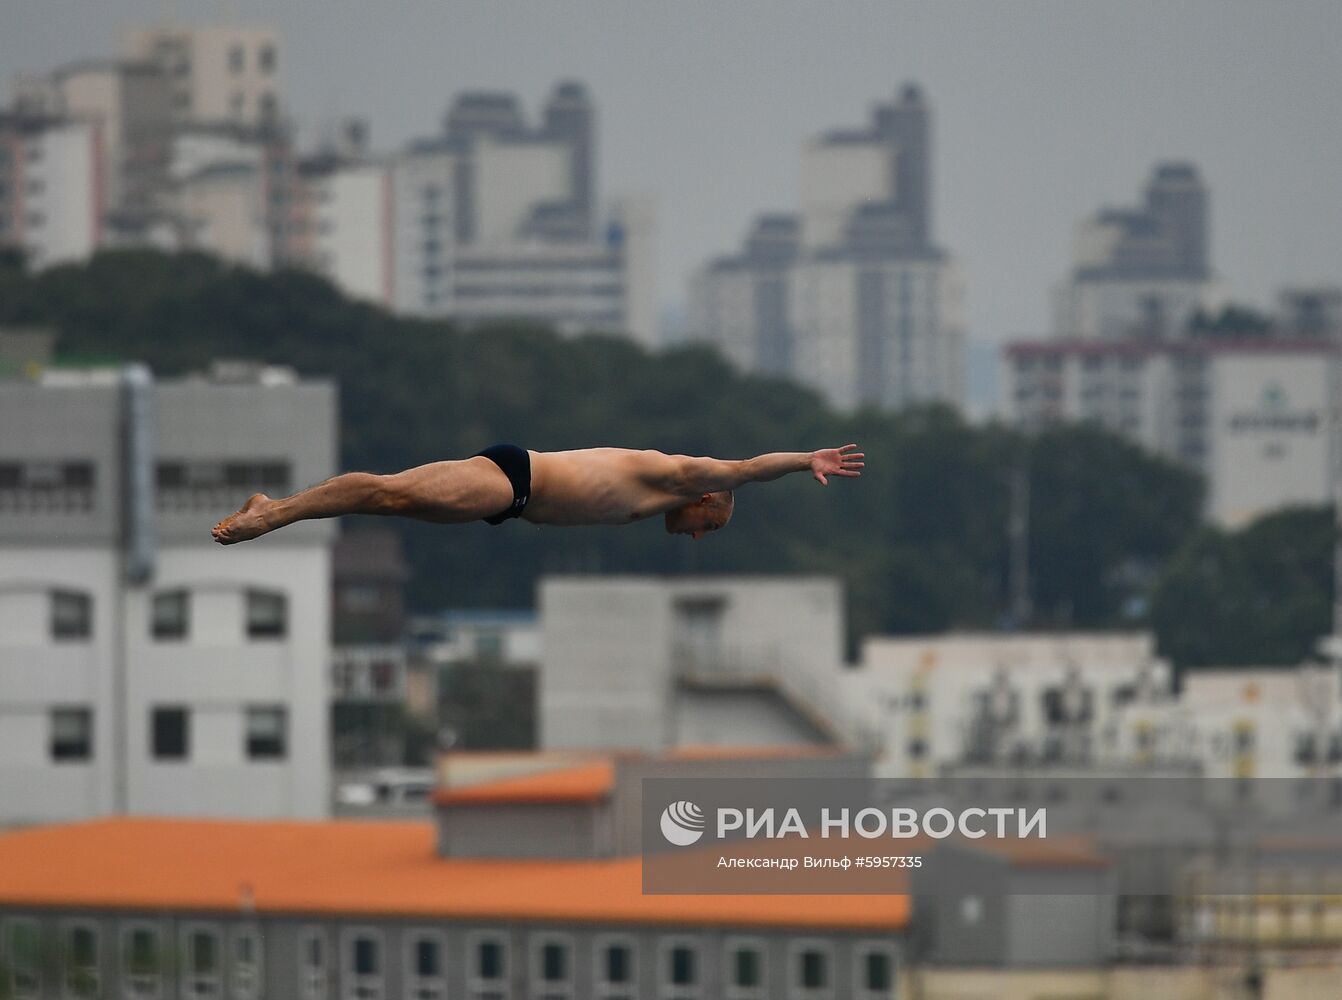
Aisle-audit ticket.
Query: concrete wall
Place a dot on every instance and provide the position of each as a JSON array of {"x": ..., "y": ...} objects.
[
  {"x": 740, "y": 718},
  {"x": 615, "y": 647},
  {"x": 525, "y": 831}
]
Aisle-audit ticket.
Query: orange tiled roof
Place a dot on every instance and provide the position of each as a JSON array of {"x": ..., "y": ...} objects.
[
  {"x": 710, "y": 751},
  {"x": 584, "y": 783},
  {"x": 1072, "y": 851},
  {"x": 370, "y": 869}
]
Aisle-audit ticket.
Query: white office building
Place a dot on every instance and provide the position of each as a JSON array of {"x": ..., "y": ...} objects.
[
  {"x": 1259, "y": 418},
  {"x": 143, "y": 668},
  {"x": 1044, "y": 700}
]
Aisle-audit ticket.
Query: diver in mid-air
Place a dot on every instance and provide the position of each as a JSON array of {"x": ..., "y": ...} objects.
[{"x": 587, "y": 486}]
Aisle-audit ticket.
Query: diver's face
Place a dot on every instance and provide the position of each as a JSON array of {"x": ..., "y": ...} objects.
[{"x": 698, "y": 518}]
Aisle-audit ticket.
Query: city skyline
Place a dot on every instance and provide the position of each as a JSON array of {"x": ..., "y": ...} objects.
[{"x": 1044, "y": 113}]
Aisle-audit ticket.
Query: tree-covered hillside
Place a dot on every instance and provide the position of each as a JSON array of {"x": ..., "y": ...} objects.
[{"x": 921, "y": 539}]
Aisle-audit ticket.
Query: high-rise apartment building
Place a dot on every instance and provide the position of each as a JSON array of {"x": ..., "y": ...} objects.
[
  {"x": 217, "y": 73},
  {"x": 498, "y": 219},
  {"x": 51, "y": 191},
  {"x": 1248, "y": 401},
  {"x": 129, "y": 104},
  {"x": 851, "y": 294},
  {"x": 144, "y": 669},
  {"x": 1141, "y": 272},
  {"x": 184, "y": 147}
]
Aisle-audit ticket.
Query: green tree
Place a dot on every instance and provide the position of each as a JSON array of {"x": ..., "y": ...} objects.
[
  {"x": 1259, "y": 596},
  {"x": 1104, "y": 516}
]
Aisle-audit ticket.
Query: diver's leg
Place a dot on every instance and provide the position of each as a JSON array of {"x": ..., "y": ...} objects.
[{"x": 447, "y": 492}]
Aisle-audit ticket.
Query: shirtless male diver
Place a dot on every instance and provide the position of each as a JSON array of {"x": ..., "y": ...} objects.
[{"x": 588, "y": 486}]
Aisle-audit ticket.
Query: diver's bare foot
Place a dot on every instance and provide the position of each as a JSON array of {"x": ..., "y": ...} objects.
[{"x": 248, "y": 522}]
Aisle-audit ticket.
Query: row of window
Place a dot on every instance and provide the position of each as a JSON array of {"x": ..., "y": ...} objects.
[
  {"x": 71, "y": 618},
  {"x": 614, "y": 971},
  {"x": 68, "y": 487},
  {"x": 504, "y": 291},
  {"x": 211, "y": 957},
  {"x": 26, "y": 961},
  {"x": 267, "y": 615},
  {"x": 47, "y": 487},
  {"x": 168, "y": 475},
  {"x": 237, "y": 59},
  {"x": 265, "y": 734}
]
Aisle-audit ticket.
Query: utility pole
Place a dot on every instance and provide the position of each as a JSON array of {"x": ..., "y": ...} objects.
[{"x": 1018, "y": 539}]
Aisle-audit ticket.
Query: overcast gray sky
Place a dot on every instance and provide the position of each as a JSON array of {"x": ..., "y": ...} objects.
[{"x": 1043, "y": 110}]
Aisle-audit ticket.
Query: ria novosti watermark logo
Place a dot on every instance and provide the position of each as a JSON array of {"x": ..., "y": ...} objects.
[{"x": 682, "y": 823}]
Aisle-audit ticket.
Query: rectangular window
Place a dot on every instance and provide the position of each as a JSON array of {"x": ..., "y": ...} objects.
[
  {"x": 171, "y": 734},
  {"x": 681, "y": 962},
  {"x": 265, "y": 58},
  {"x": 267, "y": 615},
  {"x": 312, "y": 965},
  {"x": 487, "y": 973},
  {"x": 71, "y": 616},
  {"x": 364, "y": 964},
  {"x": 23, "y": 953},
  {"x": 171, "y": 615},
  {"x": 266, "y": 733},
  {"x": 550, "y": 969},
  {"x": 490, "y": 960},
  {"x": 140, "y": 968},
  {"x": 246, "y": 963},
  {"x": 618, "y": 964},
  {"x": 237, "y": 59},
  {"x": 809, "y": 974},
  {"x": 365, "y": 957},
  {"x": 424, "y": 967},
  {"x": 744, "y": 969},
  {"x": 428, "y": 958},
  {"x": 877, "y": 976},
  {"x": 813, "y": 970},
  {"x": 71, "y": 733},
  {"x": 81, "y": 961},
  {"x": 201, "y": 978}
]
